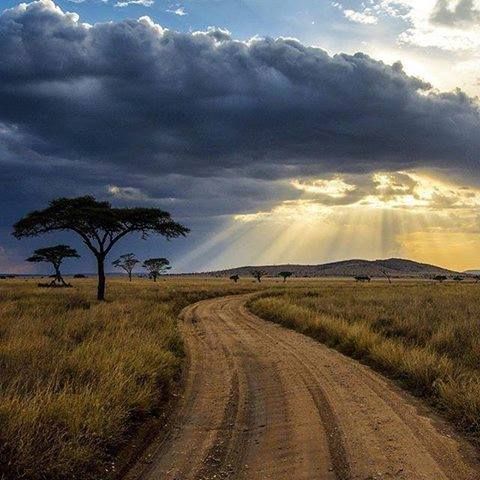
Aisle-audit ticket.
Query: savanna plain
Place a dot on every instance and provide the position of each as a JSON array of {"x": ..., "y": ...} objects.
[{"x": 79, "y": 378}]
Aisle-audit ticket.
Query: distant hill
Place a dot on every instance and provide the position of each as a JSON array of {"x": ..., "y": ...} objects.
[{"x": 393, "y": 267}]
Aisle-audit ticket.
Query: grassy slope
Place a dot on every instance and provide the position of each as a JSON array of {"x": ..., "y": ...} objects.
[
  {"x": 426, "y": 335},
  {"x": 76, "y": 374}
]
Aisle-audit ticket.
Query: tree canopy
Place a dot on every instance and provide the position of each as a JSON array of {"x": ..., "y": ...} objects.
[
  {"x": 156, "y": 267},
  {"x": 258, "y": 274},
  {"x": 99, "y": 225},
  {"x": 54, "y": 255},
  {"x": 285, "y": 275},
  {"x": 126, "y": 262}
]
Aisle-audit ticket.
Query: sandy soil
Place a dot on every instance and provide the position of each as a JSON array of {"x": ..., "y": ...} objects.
[{"x": 263, "y": 402}]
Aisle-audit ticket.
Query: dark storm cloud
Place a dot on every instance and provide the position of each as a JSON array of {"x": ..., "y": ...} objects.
[{"x": 132, "y": 96}]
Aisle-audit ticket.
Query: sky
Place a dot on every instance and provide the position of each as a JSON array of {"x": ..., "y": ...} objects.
[{"x": 301, "y": 131}]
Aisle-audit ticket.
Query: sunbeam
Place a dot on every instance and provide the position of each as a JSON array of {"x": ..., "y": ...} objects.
[{"x": 385, "y": 214}]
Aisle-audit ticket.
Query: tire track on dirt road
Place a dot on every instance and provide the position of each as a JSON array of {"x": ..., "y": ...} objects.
[{"x": 265, "y": 403}]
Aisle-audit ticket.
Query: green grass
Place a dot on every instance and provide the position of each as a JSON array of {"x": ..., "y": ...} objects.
[
  {"x": 77, "y": 376},
  {"x": 426, "y": 335}
]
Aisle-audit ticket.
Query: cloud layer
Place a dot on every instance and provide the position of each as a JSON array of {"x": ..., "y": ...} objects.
[{"x": 131, "y": 95}]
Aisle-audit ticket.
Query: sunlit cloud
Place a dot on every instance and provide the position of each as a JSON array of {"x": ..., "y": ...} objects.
[
  {"x": 446, "y": 24},
  {"x": 126, "y": 193},
  {"x": 360, "y": 17},
  {"x": 336, "y": 188},
  {"x": 365, "y": 16}
]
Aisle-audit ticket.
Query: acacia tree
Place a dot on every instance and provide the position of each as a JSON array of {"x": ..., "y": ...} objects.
[
  {"x": 54, "y": 255},
  {"x": 387, "y": 276},
  {"x": 126, "y": 262},
  {"x": 285, "y": 275},
  {"x": 156, "y": 267},
  {"x": 235, "y": 278},
  {"x": 258, "y": 274},
  {"x": 99, "y": 225}
]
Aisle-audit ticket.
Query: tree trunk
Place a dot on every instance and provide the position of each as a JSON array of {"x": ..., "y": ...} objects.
[
  {"x": 58, "y": 277},
  {"x": 130, "y": 276},
  {"x": 101, "y": 278}
]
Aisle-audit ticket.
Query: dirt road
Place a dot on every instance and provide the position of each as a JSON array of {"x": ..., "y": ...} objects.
[{"x": 263, "y": 402}]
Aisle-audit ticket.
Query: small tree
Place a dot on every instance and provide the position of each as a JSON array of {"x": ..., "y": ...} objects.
[
  {"x": 440, "y": 278},
  {"x": 258, "y": 274},
  {"x": 156, "y": 267},
  {"x": 54, "y": 255},
  {"x": 126, "y": 262},
  {"x": 458, "y": 278},
  {"x": 98, "y": 224},
  {"x": 387, "y": 276},
  {"x": 235, "y": 278},
  {"x": 285, "y": 275}
]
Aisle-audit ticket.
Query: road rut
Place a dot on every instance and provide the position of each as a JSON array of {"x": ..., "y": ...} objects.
[{"x": 263, "y": 402}]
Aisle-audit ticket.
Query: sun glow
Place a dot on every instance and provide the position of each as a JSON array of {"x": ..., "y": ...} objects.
[{"x": 368, "y": 216}]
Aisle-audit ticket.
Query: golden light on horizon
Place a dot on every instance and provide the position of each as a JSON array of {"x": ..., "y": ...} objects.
[{"x": 387, "y": 214}]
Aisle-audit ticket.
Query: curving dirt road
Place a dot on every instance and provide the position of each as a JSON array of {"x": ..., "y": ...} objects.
[{"x": 263, "y": 402}]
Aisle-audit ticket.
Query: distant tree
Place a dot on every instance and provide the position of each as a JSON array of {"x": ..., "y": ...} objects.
[
  {"x": 440, "y": 278},
  {"x": 235, "y": 278},
  {"x": 54, "y": 255},
  {"x": 458, "y": 278},
  {"x": 79, "y": 275},
  {"x": 126, "y": 262},
  {"x": 476, "y": 278},
  {"x": 156, "y": 267},
  {"x": 99, "y": 225},
  {"x": 285, "y": 275},
  {"x": 258, "y": 274},
  {"x": 363, "y": 278},
  {"x": 387, "y": 276}
]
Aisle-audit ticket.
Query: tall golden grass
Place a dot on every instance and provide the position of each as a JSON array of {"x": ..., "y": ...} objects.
[
  {"x": 426, "y": 335},
  {"x": 77, "y": 375}
]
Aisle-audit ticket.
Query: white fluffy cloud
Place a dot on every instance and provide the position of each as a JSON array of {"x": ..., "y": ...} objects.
[
  {"x": 365, "y": 17},
  {"x": 126, "y": 3},
  {"x": 180, "y": 11}
]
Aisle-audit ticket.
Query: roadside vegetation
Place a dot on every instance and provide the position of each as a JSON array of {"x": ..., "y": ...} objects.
[
  {"x": 425, "y": 335},
  {"x": 78, "y": 376}
]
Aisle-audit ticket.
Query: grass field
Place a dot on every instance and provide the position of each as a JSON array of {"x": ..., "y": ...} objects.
[
  {"x": 77, "y": 375},
  {"x": 426, "y": 335}
]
